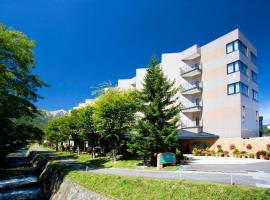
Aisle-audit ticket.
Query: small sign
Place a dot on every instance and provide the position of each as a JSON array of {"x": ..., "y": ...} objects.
[
  {"x": 167, "y": 158},
  {"x": 164, "y": 158}
]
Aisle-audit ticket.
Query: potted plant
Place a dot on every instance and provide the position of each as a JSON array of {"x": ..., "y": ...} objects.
[
  {"x": 194, "y": 151},
  {"x": 249, "y": 146},
  {"x": 267, "y": 155},
  {"x": 251, "y": 155},
  {"x": 261, "y": 154},
  {"x": 220, "y": 153},
  {"x": 268, "y": 147},
  {"x": 236, "y": 153},
  {"x": 232, "y": 147},
  {"x": 219, "y": 147},
  {"x": 226, "y": 153},
  {"x": 184, "y": 160}
]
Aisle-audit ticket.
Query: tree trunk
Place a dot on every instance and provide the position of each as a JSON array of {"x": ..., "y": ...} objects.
[
  {"x": 56, "y": 147},
  {"x": 93, "y": 152},
  {"x": 153, "y": 159}
]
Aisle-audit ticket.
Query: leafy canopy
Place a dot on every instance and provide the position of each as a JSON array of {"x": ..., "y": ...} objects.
[{"x": 19, "y": 86}]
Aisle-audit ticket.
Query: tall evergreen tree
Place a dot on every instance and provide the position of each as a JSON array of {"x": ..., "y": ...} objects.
[{"x": 156, "y": 129}]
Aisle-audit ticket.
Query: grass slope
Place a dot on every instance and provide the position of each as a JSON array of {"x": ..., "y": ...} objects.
[{"x": 121, "y": 187}]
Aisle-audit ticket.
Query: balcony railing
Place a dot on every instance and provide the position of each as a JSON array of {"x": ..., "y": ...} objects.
[
  {"x": 191, "y": 86},
  {"x": 192, "y": 124},
  {"x": 190, "y": 68},
  {"x": 192, "y": 105}
]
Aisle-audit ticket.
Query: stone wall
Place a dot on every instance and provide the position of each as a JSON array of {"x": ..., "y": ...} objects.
[{"x": 56, "y": 185}]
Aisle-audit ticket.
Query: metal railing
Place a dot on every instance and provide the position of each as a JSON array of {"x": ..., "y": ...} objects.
[
  {"x": 187, "y": 124},
  {"x": 191, "y": 105},
  {"x": 192, "y": 67},
  {"x": 189, "y": 86}
]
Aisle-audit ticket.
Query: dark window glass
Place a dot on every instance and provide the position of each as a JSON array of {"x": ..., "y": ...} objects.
[
  {"x": 236, "y": 88},
  {"x": 253, "y": 58},
  {"x": 255, "y": 95},
  {"x": 231, "y": 89},
  {"x": 244, "y": 89},
  {"x": 254, "y": 76},
  {"x": 237, "y": 66},
  {"x": 236, "y": 45}
]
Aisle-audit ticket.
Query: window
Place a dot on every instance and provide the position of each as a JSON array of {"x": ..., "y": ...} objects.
[
  {"x": 237, "y": 66},
  {"x": 231, "y": 89},
  {"x": 255, "y": 95},
  {"x": 244, "y": 89},
  {"x": 236, "y": 45},
  {"x": 243, "y": 112},
  {"x": 236, "y": 88},
  {"x": 254, "y": 76},
  {"x": 257, "y": 116},
  {"x": 253, "y": 58}
]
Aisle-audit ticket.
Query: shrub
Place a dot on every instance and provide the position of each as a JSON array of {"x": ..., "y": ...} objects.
[
  {"x": 219, "y": 146},
  {"x": 268, "y": 147},
  {"x": 178, "y": 155},
  {"x": 249, "y": 146},
  {"x": 236, "y": 152},
  {"x": 226, "y": 153},
  {"x": 267, "y": 154},
  {"x": 194, "y": 151},
  {"x": 232, "y": 147},
  {"x": 261, "y": 153},
  {"x": 251, "y": 155},
  {"x": 243, "y": 154}
]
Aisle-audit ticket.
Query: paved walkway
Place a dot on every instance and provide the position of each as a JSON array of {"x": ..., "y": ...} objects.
[
  {"x": 227, "y": 164},
  {"x": 252, "y": 178}
]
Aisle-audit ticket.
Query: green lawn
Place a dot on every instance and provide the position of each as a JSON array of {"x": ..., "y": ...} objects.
[
  {"x": 107, "y": 163},
  {"x": 126, "y": 188},
  {"x": 122, "y": 187}
]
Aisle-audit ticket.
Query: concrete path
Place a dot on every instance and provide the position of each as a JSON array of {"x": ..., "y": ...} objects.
[
  {"x": 250, "y": 178},
  {"x": 227, "y": 164}
]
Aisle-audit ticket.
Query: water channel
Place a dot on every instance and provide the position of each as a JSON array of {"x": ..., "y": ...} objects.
[{"x": 18, "y": 179}]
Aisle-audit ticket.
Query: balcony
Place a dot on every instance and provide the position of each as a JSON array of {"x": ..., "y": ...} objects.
[
  {"x": 196, "y": 126},
  {"x": 191, "y": 71},
  {"x": 190, "y": 89},
  {"x": 191, "y": 53},
  {"x": 192, "y": 108}
]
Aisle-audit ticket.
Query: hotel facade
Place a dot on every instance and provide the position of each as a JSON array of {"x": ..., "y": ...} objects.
[{"x": 218, "y": 88}]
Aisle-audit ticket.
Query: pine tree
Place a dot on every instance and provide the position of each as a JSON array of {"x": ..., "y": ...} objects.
[{"x": 156, "y": 129}]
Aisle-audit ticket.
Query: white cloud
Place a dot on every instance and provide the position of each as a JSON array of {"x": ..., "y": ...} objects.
[{"x": 265, "y": 112}]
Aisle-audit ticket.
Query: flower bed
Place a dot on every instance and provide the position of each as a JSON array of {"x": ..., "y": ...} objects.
[{"x": 264, "y": 155}]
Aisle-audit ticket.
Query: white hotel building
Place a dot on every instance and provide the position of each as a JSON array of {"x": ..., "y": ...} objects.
[{"x": 218, "y": 87}]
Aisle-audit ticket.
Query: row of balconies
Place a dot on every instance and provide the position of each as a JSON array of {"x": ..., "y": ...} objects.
[{"x": 193, "y": 86}]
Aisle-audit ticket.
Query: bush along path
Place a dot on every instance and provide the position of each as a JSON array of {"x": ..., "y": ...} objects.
[{"x": 247, "y": 178}]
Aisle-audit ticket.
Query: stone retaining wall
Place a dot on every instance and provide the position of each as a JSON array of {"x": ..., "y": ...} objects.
[{"x": 56, "y": 185}]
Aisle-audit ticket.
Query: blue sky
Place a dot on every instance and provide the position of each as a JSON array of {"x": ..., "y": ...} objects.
[{"x": 81, "y": 43}]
